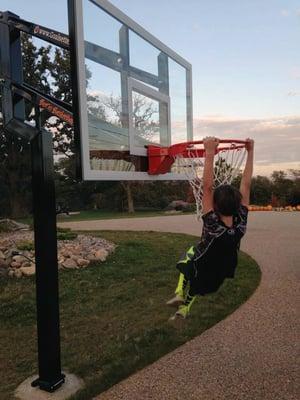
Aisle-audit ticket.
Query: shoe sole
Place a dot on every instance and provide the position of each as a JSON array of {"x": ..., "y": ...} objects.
[
  {"x": 176, "y": 317},
  {"x": 175, "y": 304}
]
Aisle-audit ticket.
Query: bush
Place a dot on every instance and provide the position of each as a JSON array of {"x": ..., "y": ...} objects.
[
  {"x": 26, "y": 245},
  {"x": 180, "y": 205},
  {"x": 63, "y": 230},
  {"x": 66, "y": 235},
  {"x": 4, "y": 227},
  {"x": 190, "y": 208}
]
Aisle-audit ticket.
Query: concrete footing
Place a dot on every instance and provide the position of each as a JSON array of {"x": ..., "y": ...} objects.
[{"x": 26, "y": 392}]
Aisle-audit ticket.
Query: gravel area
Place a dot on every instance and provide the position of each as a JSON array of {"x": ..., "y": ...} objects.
[
  {"x": 17, "y": 252},
  {"x": 252, "y": 354}
]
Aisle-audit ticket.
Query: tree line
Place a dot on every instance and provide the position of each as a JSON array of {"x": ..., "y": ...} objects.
[
  {"x": 47, "y": 68},
  {"x": 280, "y": 190}
]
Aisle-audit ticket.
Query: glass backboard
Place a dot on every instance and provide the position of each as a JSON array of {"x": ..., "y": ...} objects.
[{"x": 132, "y": 91}]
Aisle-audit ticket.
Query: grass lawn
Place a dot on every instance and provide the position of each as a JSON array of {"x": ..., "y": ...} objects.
[
  {"x": 113, "y": 317},
  {"x": 86, "y": 215}
]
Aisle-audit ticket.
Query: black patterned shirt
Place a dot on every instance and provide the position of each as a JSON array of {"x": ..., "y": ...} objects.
[{"x": 215, "y": 257}]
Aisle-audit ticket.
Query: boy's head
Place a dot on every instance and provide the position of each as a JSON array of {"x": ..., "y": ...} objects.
[{"x": 227, "y": 200}]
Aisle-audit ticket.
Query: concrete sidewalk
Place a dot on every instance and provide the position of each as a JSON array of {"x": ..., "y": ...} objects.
[{"x": 252, "y": 354}]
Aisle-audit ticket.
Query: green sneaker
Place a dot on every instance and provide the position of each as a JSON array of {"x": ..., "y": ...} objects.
[{"x": 181, "y": 313}]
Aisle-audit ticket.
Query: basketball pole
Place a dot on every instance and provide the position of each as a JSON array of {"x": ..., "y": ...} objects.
[
  {"x": 44, "y": 206},
  {"x": 47, "y": 297}
]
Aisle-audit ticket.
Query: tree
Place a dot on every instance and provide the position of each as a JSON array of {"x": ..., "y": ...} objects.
[
  {"x": 222, "y": 171},
  {"x": 79, "y": 195},
  {"x": 61, "y": 88},
  {"x": 109, "y": 109},
  {"x": 295, "y": 173},
  {"x": 127, "y": 187},
  {"x": 281, "y": 187},
  {"x": 294, "y": 193},
  {"x": 236, "y": 182},
  {"x": 261, "y": 190},
  {"x": 15, "y": 171}
]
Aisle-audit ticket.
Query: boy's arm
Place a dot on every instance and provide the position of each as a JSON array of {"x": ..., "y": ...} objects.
[
  {"x": 247, "y": 174},
  {"x": 210, "y": 146}
]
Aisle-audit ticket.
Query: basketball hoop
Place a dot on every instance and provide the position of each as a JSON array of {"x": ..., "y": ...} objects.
[{"x": 188, "y": 158}]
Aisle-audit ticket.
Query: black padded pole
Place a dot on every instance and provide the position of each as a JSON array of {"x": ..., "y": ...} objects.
[{"x": 47, "y": 301}]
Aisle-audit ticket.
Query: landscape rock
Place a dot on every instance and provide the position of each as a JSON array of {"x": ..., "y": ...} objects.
[
  {"x": 15, "y": 264},
  {"x": 69, "y": 263},
  {"x": 3, "y": 264},
  {"x": 26, "y": 264},
  {"x": 28, "y": 271},
  {"x": 9, "y": 225},
  {"x": 72, "y": 253},
  {"x": 66, "y": 253},
  {"x": 18, "y": 273},
  {"x": 8, "y": 252},
  {"x": 19, "y": 259},
  {"x": 101, "y": 255},
  {"x": 82, "y": 263}
]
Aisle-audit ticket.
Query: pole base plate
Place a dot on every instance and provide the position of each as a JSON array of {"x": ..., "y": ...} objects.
[{"x": 49, "y": 386}]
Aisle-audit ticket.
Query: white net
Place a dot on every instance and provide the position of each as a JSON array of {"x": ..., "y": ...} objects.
[{"x": 227, "y": 164}]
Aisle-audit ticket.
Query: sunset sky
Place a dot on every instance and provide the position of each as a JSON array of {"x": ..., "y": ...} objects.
[{"x": 246, "y": 64}]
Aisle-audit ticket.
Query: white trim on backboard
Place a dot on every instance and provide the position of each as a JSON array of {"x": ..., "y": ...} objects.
[
  {"x": 95, "y": 175},
  {"x": 189, "y": 103},
  {"x": 79, "y": 43}
]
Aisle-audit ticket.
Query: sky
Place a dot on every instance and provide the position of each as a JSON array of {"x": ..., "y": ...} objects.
[{"x": 246, "y": 64}]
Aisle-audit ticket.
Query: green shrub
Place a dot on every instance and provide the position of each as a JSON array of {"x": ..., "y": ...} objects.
[
  {"x": 63, "y": 230},
  {"x": 66, "y": 235},
  {"x": 4, "y": 227},
  {"x": 26, "y": 245},
  {"x": 189, "y": 208}
]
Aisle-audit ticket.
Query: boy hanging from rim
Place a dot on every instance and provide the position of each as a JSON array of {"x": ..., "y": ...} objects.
[{"x": 205, "y": 266}]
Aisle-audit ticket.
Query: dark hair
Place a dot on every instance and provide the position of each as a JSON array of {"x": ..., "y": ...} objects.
[{"x": 227, "y": 200}]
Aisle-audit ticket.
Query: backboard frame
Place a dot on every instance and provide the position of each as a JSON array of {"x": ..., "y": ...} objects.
[
  {"x": 136, "y": 86},
  {"x": 78, "y": 55}
]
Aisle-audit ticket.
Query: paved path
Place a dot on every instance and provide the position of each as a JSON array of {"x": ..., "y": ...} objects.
[{"x": 252, "y": 354}]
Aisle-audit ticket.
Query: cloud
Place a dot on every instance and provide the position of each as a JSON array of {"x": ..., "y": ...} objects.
[
  {"x": 277, "y": 140},
  {"x": 295, "y": 73},
  {"x": 96, "y": 93},
  {"x": 196, "y": 27},
  {"x": 267, "y": 169},
  {"x": 293, "y": 94},
  {"x": 284, "y": 12}
]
